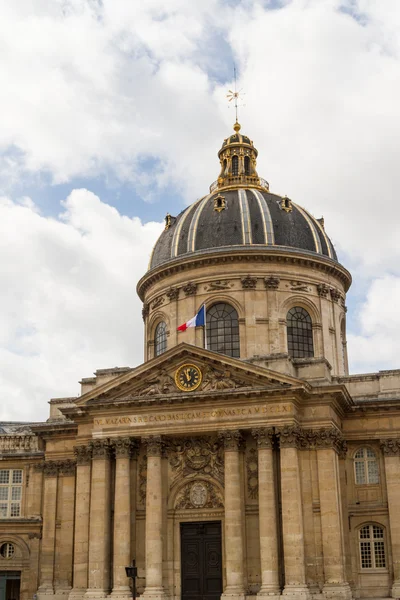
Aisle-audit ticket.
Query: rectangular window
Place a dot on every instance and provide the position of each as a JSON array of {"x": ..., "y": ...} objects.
[
  {"x": 10, "y": 493},
  {"x": 366, "y": 558}
]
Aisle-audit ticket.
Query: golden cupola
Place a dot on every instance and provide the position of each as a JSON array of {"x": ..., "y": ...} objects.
[{"x": 238, "y": 159}]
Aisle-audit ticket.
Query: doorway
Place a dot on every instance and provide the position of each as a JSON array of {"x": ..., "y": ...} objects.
[
  {"x": 201, "y": 560},
  {"x": 10, "y": 582}
]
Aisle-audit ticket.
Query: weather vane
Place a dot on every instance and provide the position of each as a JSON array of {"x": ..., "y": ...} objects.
[{"x": 235, "y": 95}]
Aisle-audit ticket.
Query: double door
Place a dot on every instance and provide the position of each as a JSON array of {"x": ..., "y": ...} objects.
[{"x": 201, "y": 560}]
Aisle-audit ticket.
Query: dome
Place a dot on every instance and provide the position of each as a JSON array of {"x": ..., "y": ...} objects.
[
  {"x": 247, "y": 216},
  {"x": 240, "y": 211}
]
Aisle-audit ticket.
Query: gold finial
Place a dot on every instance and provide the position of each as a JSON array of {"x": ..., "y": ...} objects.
[{"x": 235, "y": 95}]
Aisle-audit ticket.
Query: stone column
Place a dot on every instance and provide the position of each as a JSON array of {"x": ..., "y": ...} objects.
[
  {"x": 292, "y": 514},
  {"x": 81, "y": 535},
  {"x": 50, "y": 471},
  {"x": 328, "y": 443},
  {"x": 65, "y": 541},
  {"x": 100, "y": 523},
  {"x": 391, "y": 452},
  {"x": 233, "y": 517},
  {"x": 122, "y": 517},
  {"x": 267, "y": 511},
  {"x": 154, "y": 520}
]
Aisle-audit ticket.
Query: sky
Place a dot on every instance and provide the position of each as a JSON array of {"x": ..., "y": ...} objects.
[{"x": 112, "y": 113}]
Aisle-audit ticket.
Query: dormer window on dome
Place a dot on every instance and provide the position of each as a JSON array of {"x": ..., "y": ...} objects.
[{"x": 238, "y": 159}]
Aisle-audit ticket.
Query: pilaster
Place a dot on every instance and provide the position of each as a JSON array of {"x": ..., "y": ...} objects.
[
  {"x": 391, "y": 452},
  {"x": 46, "y": 578}
]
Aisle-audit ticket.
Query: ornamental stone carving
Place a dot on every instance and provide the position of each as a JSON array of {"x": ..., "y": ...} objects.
[
  {"x": 218, "y": 285},
  {"x": 196, "y": 456},
  {"x": 157, "y": 385},
  {"x": 213, "y": 379},
  {"x": 157, "y": 302},
  {"x": 50, "y": 468},
  {"x": 142, "y": 473},
  {"x": 264, "y": 436},
  {"x": 390, "y": 447},
  {"x": 190, "y": 289},
  {"x": 100, "y": 449},
  {"x": 66, "y": 468},
  {"x": 299, "y": 286},
  {"x": 289, "y": 436},
  {"x": 232, "y": 439},
  {"x": 323, "y": 290},
  {"x": 325, "y": 438},
  {"x": 199, "y": 495},
  {"x": 252, "y": 473},
  {"x": 335, "y": 295},
  {"x": 248, "y": 282},
  {"x": 145, "y": 311},
  {"x": 154, "y": 445},
  {"x": 272, "y": 282},
  {"x": 173, "y": 293},
  {"x": 83, "y": 455},
  {"x": 124, "y": 447}
]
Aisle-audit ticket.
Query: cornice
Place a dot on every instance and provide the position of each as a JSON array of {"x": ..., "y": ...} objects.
[{"x": 278, "y": 254}]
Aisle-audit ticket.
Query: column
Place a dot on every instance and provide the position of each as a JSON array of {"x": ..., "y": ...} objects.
[
  {"x": 328, "y": 442},
  {"x": 65, "y": 535},
  {"x": 50, "y": 472},
  {"x": 292, "y": 514},
  {"x": 81, "y": 535},
  {"x": 123, "y": 448},
  {"x": 154, "y": 520},
  {"x": 391, "y": 452},
  {"x": 267, "y": 512},
  {"x": 100, "y": 524},
  {"x": 233, "y": 517}
]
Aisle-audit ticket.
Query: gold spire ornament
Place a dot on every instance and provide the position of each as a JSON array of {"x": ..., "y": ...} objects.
[{"x": 235, "y": 95}]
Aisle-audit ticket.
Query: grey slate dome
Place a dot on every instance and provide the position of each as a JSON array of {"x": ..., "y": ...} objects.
[
  {"x": 240, "y": 211},
  {"x": 251, "y": 218}
]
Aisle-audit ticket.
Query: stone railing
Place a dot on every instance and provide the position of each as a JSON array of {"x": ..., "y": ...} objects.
[
  {"x": 10, "y": 444},
  {"x": 232, "y": 180}
]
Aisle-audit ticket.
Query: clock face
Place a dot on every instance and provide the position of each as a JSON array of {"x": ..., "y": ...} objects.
[{"x": 188, "y": 378}]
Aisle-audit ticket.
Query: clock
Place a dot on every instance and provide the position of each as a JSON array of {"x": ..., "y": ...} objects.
[{"x": 188, "y": 378}]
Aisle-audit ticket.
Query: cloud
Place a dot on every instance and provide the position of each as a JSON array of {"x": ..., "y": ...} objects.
[{"x": 69, "y": 304}]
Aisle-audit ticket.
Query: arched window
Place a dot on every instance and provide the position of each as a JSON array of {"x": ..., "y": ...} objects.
[
  {"x": 223, "y": 329},
  {"x": 247, "y": 165},
  {"x": 299, "y": 333},
  {"x": 160, "y": 339},
  {"x": 366, "y": 466},
  {"x": 372, "y": 547},
  {"x": 235, "y": 165}
]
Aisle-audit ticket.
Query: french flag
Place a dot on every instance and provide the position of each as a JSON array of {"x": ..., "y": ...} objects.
[{"x": 198, "y": 320}]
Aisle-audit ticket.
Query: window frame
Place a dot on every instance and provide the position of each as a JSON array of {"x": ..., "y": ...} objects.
[
  {"x": 291, "y": 332},
  {"x": 235, "y": 165},
  {"x": 9, "y": 503},
  {"x": 365, "y": 460},
  {"x": 223, "y": 333},
  {"x": 160, "y": 339},
  {"x": 372, "y": 541}
]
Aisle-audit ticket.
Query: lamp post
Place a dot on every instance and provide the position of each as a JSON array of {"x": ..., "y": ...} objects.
[{"x": 131, "y": 572}]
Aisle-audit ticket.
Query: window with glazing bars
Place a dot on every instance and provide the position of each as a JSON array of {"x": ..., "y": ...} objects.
[
  {"x": 366, "y": 467},
  {"x": 372, "y": 547},
  {"x": 247, "y": 165},
  {"x": 299, "y": 333},
  {"x": 223, "y": 330},
  {"x": 235, "y": 165},
  {"x": 160, "y": 339},
  {"x": 10, "y": 493}
]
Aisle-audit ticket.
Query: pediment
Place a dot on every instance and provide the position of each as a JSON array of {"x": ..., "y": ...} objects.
[{"x": 157, "y": 378}]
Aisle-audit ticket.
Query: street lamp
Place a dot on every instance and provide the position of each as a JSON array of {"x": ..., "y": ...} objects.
[{"x": 131, "y": 572}]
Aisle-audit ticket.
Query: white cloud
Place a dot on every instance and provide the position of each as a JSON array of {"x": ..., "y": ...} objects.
[{"x": 69, "y": 304}]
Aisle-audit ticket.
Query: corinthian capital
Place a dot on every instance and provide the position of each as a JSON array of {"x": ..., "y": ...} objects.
[
  {"x": 100, "y": 449},
  {"x": 290, "y": 436},
  {"x": 83, "y": 455},
  {"x": 155, "y": 445},
  {"x": 264, "y": 436},
  {"x": 231, "y": 438},
  {"x": 391, "y": 447},
  {"x": 124, "y": 447}
]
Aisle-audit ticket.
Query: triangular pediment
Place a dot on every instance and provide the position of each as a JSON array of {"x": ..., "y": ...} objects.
[{"x": 159, "y": 378}]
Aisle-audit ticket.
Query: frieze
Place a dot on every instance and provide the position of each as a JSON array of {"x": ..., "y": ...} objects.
[
  {"x": 213, "y": 379},
  {"x": 199, "y": 495},
  {"x": 252, "y": 473},
  {"x": 390, "y": 447},
  {"x": 232, "y": 439},
  {"x": 190, "y": 289},
  {"x": 264, "y": 436},
  {"x": 271, "y": 283},
  {"x": 158, "y": 385},
  {"x": 83, "y": 455},
  {"x": 218, "y": 285},
  {"x": 299, "y": 286},
  {"x": 100, "y": 449},
  {"x": 157, "y": 302},
  {"x": 248, "y": 282},
  {"x": 194, "y": 456}
]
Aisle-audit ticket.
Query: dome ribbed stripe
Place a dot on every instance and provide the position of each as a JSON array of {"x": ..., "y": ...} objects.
[
  {"x": 193, "y": 225},
  {"x": 327, "y": 240},
  {"x": 266, "y": 217},
  {"x": 317, "y": 241},
  {"x": 245, "y": 213},
  {"x": 177, "y": 232}
]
